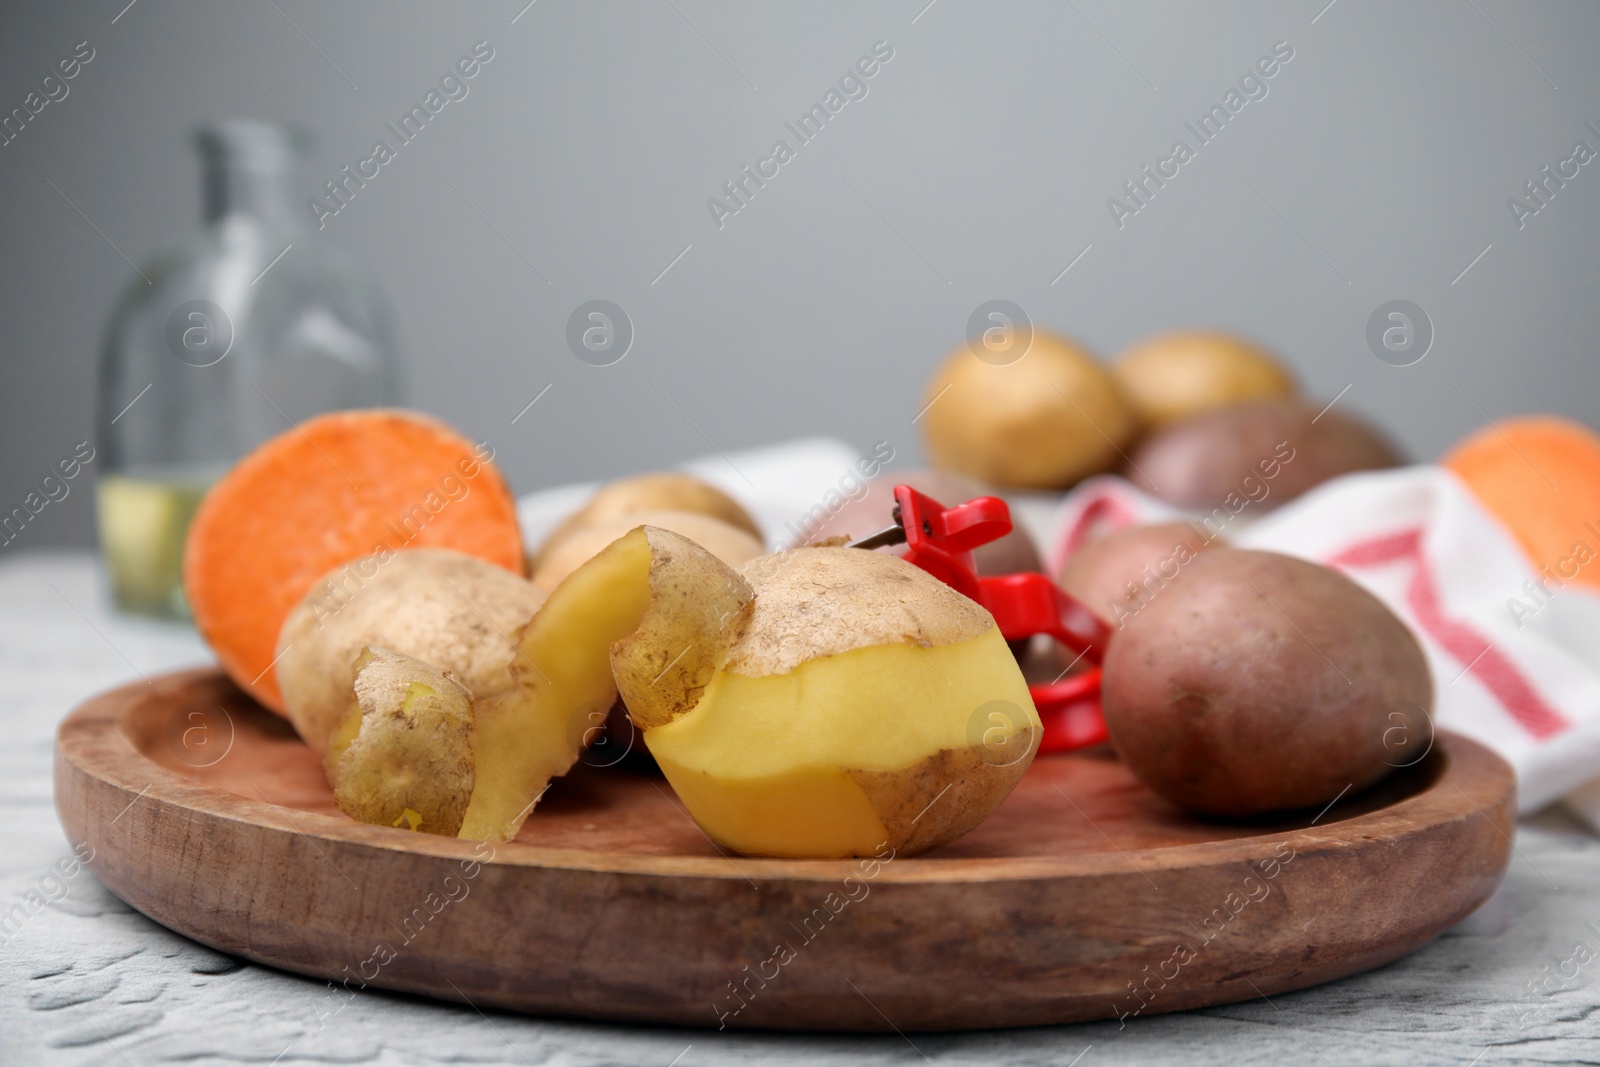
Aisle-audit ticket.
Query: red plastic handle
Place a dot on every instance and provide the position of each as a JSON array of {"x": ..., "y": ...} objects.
[
  {"x": 940, "y": 540},
  {"x": 1070, "y": 712},
  {"x": 1028, "y": 603}
]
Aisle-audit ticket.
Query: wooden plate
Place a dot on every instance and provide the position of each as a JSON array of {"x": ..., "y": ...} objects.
[{"x": 1084, "y": 897}]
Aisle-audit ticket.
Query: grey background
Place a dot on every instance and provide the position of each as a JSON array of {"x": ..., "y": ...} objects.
[{"x": 978, "y": 166}]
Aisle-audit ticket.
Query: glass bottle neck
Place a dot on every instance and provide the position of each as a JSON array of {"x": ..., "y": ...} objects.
[
  {"x": 249, "y": 169},
  {"x": 232, "y": 190}
]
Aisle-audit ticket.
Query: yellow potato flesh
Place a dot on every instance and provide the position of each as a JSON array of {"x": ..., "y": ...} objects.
[
  {"x": 815, "y": 811},
  {"x": 763, "y": 764},
  {"x": 534, "y": 733}
]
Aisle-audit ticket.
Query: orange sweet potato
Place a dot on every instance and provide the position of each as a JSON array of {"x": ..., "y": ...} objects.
[
  {"x": 1540, "y": 476},
  {"x": 336, "y": 488}
]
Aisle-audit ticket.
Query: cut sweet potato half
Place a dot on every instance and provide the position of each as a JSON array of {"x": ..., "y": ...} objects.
[{"x": 337, "y": 488}]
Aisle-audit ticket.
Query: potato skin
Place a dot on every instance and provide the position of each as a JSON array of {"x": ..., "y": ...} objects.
[
  {"x": 817, "y": 602},
  {"x": 1151, "y": 557},
  {"x": 1267, "y": 452},
  {"x": 1260, "y": 683},
  {"x": 411, "y": 762},
  {"x": 699, "y": 610},
  {"x": 1046, "y": 421},
  {"x": 452, "y": 611},
  {"x": 969, "y": 783},
  {"x": 1174, "y": 375}
]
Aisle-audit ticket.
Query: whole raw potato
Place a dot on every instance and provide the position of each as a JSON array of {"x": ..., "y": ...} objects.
[
  {"x": 658, "y": 491},
  {"x": 1047, "y": 420},
  {"x": 729, "y": 543},
  {"x": 1257, "y": 455},
  {"x": 1150, "y": 558},
  {"x": 872, "y": 510},
  {"x": 452, "y": 611},
  {"x": 1174, "y": 375},
  {"x": 1259, "y": 682}
]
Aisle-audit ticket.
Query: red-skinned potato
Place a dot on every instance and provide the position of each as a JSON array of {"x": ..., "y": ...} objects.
[
  {"x": 1260, "y": 682},
  {"x": 1115, "y": 574},
  {"x": 1259, "y": 455}
]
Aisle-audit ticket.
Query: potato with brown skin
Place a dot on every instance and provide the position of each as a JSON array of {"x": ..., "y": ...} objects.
[
  {"x": 1175, "y": 375},
  {"x": 660, "y": 491},
  {"x": 403, "y": 757},
  {"x": 418, "y": 748},
  {"x": 873, "y": 509},
  {"x": 1115, "y": 574},
  {"x": 729, "y": 543},
  {"x": 451, "y": 610},
  {"x": 1259, "y": 455},
  {"x": 1045, "y": 421},
  {"x": 1260, "y": 683}
]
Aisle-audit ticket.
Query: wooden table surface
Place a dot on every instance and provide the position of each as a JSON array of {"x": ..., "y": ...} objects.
[{"x": 86, "y": 980}]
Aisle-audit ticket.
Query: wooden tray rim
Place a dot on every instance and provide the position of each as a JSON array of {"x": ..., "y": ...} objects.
[{"x": 94, "y": 739}]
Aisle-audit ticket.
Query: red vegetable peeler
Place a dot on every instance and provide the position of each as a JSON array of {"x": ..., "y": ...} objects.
[{"x": 940, "y": 540}]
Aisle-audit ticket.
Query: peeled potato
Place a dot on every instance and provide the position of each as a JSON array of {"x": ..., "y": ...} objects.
[
  {"x": 661, "y": 491},
  {"x": 862, "y": 704},
  {"x": 1047, "y": 420},
  {"x": 1175, "y": 375},
  {"x": 448, "y": 609},
  {"x": 403, "y": 756},
  {"x": 731, "y": 544}
]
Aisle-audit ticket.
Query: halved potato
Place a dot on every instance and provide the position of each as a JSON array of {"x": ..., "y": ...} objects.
[{"x": 650, "y": 581}]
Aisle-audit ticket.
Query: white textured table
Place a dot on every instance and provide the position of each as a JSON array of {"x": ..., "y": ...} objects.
[{"x": 86, "y": 980}]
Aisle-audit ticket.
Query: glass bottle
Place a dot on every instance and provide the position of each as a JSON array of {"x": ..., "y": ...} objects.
[{"x": 247, "y": 327}]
